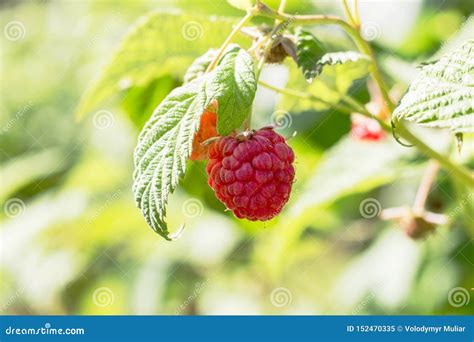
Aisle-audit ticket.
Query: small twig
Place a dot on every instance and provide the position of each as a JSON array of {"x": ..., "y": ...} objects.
[
  {"x": 305, "y": 96},
  {"x": 347, "y": 12},
  {"x": 425, "y": 186},
  {"x": 356, "y": 14},
  {"x": 231, "y": 36}
]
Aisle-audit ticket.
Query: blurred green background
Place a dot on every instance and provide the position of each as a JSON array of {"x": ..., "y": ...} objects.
[{"x": 72, "y": 241}]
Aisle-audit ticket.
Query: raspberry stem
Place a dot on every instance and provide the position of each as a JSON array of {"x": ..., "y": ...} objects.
[
  {"x": 250, "y": 14},
  {"x": 306, "y": 96},
  {"x": 460, "y": 172},
  {"x": 347, "y": 12},
  {"x": 353, "y": 32},
  {"x": 425, "y": 186}
]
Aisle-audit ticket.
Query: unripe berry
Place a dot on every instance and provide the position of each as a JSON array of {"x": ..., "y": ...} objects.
[
  {"x": 364, "y": 128},
  {"x": 207, "y": 130}
]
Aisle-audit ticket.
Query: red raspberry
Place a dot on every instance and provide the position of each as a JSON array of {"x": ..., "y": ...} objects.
[
  {"x": 364, "y": 128},
  {"x": 207, "y": 129},
  {"x": 252, "y": 173}
]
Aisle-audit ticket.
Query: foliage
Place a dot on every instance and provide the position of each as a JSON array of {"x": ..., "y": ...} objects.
[
  {"x": 165, "y": 142},
  {"x": 443, "y": 94},
  {"x": 70, "y": 228}
]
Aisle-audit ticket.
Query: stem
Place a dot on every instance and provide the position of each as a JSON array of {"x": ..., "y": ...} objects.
[
  {"x": 360, "y": 108},
  {"x": 347, "y": 12},
  {"x": 356, "y": 13},
  {"x": 458, "y": 171},
  {"x": 425, "y": 186},
  {"x": 231, "y": 36},
  {"x": 266, "y": 51},
  {"x": 461, "y": 173},
  {"x": 261, "y": 62},
  {"x": 361, "y": 44},
  {"x": 305, "y": 96},
  {"x": 281, "y": 8}
]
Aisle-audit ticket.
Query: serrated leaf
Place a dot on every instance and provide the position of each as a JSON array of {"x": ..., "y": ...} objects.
[
  {"x": 165, "y": 142},
  {"x": 339, "y": 71},
  {"x": 235, "y": 86},
  {"x": 199, "y": 66},
  {"x": 149, "y": 51},
  {"x": 163, "y": 147},
  {"x": 309, "y": 51},
  {"x": 443, "y": 94}
]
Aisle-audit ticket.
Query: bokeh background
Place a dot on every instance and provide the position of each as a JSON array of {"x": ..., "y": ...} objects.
[{"x": 72, "y": 241}]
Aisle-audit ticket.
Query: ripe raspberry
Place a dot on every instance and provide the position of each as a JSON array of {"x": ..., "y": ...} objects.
[
  {"x": 207, "y": 129},
  {"x": 252, "y": 173},
  {"x": 364, "y": 128}
]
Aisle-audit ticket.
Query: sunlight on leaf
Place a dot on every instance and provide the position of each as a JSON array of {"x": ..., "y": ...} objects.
[{"x": 443, "y": 95}]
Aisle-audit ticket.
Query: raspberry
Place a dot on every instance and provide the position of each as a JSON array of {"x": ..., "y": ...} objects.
[
  {"x": 207, "y": 129},
  {"x": 252, "y": 173},
  {"x": 364, "y": 128}
]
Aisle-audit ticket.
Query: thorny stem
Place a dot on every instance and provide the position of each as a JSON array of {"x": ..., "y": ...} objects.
[
  {"x": 425, "y": 186},
  {"x": 231, "y": 36}
]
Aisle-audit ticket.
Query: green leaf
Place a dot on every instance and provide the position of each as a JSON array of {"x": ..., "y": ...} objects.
[
  {"x": 159, "y": 44},
  {"x": 309, "y": 51},
  {"x": 443, "y": 94},
  {"x": 339, "y": 71},
  {"x": 163, "y": 147},
  {"x": 165, "y": 142},
  {"x": 235, "y": 87},
  {"x": 139, "y": 102},
  {"x": 199, "y": 66}
]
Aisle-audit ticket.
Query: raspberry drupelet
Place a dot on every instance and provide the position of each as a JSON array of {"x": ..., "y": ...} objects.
[{"x": 252, "y": 173}]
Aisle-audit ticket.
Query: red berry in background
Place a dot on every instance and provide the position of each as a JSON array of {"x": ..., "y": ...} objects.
[
  {"x": 367, "y": 129},
  {"x": 252, "y": 173},
  {"x": 207, "y": 129}
]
